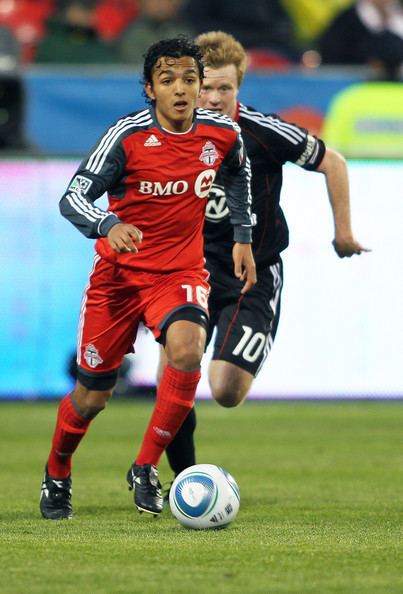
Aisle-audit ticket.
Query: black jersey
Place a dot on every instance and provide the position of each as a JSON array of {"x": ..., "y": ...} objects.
[{"x": 270, "y": 142}]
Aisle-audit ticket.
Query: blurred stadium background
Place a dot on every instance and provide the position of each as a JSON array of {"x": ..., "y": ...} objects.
[{"x": 66, "y": 72}]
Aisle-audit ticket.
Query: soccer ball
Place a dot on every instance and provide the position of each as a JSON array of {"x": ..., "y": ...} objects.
[{"x": 204, "y": 496}]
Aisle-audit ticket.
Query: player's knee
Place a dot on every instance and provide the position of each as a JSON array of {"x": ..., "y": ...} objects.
[
  {"x": 229, "y": 384},
  {"x": 92, "y": 407},
  {"x": 90, "y": 403},
  {"x": 96, "y": 403},
  {"x": 186, "y": 354},
  {"x": 184, "y": 345},
  {"x": 186, "y": 359},
  {"x": 227, "y": 395}
]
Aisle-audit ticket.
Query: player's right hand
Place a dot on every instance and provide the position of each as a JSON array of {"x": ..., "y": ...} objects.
[
  {"x": 346, "y": 247},
  {"x": 244, "y": 265},
  {"x": 122, "y": 238}
]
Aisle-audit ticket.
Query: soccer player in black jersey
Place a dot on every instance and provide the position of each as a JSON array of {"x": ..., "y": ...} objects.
[{"x": 247, "y": 324}]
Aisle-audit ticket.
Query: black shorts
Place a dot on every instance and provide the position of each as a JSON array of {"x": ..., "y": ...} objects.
[{"x": 246, "y": 324}]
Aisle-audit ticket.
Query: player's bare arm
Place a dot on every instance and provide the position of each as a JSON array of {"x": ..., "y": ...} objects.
[
  {"x": 123, "y": 238},
  {"x": 334, "y": 167},
  {"x": 244, "y": 265}
]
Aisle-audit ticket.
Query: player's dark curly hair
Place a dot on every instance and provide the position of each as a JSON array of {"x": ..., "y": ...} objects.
[{"x": 172, "y": 48}]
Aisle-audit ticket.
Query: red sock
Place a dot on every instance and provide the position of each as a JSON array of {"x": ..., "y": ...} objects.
[
  {"x": 70, "y": 429},
  {"x": 175, "y": 396}
]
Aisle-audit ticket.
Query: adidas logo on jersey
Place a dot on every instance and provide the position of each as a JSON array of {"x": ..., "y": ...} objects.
[{"x": 152, "y": 141}]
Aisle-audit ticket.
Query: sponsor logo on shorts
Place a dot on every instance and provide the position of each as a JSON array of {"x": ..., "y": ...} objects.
[
  {"x": 92, "y": 356},
  {"x": 80, "y": 184}
]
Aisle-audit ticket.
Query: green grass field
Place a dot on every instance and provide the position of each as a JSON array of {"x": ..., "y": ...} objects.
[{"x": 321, "y": 504}]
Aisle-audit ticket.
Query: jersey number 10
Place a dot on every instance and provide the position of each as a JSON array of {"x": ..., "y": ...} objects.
[{"x": 250, "y": 345}]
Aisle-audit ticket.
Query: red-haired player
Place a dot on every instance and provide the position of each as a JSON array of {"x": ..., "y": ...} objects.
[{"x": 246, "y": 324}]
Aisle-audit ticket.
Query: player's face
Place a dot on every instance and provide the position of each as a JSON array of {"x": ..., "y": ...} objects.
[
  {"x": 175, "y": 88},
  {"x": 219, "y": 90}
]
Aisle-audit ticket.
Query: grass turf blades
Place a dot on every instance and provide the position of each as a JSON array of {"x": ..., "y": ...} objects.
[{"x": 321, "y": 504}]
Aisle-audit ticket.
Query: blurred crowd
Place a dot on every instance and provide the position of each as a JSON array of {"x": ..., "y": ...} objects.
[{"x": 276, "y": 33}]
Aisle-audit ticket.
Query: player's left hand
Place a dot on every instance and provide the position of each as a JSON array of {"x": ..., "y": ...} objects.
[
  {"x": 345, "y": 247},
  {"x": 244, "y": 265}
]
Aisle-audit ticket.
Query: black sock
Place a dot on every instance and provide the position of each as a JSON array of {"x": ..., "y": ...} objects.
[{"x": 181, "y": 451}]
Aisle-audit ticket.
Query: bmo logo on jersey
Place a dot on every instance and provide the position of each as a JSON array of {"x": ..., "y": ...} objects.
[
  {"x": 202, "y": 186},
  {"x": 179, "y": 186},
  {"x": 216, "y": 209}
]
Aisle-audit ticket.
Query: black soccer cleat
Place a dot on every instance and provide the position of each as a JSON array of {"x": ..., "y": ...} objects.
[
  {"x": 55, "y": 501},
  {"x": 143, "y": 479}
]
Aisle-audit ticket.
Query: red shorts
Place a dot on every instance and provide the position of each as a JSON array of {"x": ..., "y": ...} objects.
[{"x": 117, "y": 299}]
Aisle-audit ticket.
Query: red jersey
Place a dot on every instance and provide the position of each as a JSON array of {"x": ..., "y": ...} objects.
[{"x": 159, "y": 181}]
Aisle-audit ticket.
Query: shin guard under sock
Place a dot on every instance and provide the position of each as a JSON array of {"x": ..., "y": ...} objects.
[
  {"x": 175, "y": 396},
  {"x": 70, "y": 429}
]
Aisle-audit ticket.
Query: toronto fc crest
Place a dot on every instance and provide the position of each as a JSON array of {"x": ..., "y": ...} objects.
[
  {"x": 92, "y": 356},
  {"x": 209, "y": 154}
]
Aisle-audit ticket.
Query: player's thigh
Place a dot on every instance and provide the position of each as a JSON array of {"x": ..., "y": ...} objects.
[{"x": 177, "y": 314}]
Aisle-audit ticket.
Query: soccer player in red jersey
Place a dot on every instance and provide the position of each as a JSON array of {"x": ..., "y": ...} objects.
[
  {"x": 157, "y": 167},
  {"x": 247, "y": 324}
]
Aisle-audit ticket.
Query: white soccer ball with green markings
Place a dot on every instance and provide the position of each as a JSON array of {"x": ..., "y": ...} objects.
[{"x": 204, "y": 496}]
